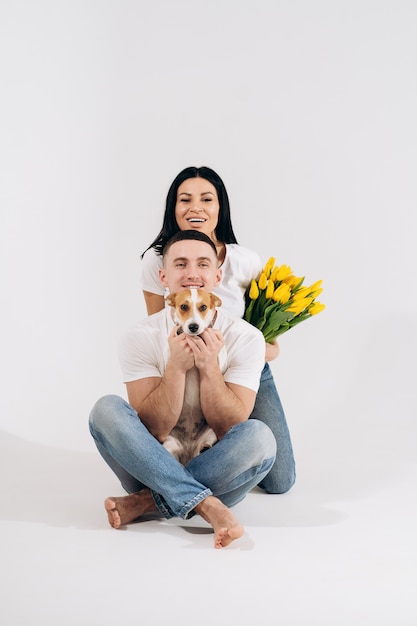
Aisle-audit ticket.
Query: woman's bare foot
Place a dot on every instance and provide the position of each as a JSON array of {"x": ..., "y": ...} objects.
[
  {"x": 225, "y": 525},
  {"x": 125, "y": 509}
]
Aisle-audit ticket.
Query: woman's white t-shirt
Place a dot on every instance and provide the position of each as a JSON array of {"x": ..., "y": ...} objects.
[{"x": 239, "y": 267}]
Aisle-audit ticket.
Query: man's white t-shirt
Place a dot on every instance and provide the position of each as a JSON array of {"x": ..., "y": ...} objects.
[
  {"x": 239, "y": 267},
  {"x": 144, "y": 350}
]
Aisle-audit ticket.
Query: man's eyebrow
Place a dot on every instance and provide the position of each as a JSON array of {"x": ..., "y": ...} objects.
[{"x": 200, "y": 258}]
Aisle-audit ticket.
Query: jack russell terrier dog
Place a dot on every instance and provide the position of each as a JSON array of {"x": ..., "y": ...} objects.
[{"x": 195, "y": 310}]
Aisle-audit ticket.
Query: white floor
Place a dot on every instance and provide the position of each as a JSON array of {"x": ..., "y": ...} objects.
[{"x": 338, "y": 549}]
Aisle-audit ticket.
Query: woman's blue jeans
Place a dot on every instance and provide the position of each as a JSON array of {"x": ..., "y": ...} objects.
[
  {"x": 228, "y": 470},
  {"x": 268, "y": 409}
]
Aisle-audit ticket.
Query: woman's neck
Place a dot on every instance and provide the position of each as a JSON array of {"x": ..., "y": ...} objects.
[{"x": 221, "y": 252}]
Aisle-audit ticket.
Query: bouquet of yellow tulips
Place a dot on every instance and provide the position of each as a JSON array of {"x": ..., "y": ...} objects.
[{"x": 276, "y": 301}]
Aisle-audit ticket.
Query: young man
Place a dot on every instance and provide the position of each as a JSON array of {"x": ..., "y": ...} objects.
[{"x": 154, "y": 361}]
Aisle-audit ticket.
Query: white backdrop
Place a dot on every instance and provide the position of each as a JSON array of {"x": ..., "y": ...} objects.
[{"x": 307, "y": 109}]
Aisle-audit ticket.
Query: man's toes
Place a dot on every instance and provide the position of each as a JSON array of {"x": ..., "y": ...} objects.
[
  {"x": 109, "y": 504},
  {"x": 112, "y": 513},
  {"x": 221, "y": 539}
]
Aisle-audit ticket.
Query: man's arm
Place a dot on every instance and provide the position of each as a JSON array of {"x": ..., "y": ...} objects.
[
  {"x": 159, "y": 401},
  {"x": 223, "y": 404}
]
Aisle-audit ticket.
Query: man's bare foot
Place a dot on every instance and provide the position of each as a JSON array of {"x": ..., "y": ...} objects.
[
  {"x": 225, "y": 525},
  {"x": 125, "y": 509}
]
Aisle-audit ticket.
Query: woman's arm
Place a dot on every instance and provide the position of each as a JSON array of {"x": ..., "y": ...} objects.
[
  {"x": 154, "y": 302},
  {"x": 271, "y": 351}
]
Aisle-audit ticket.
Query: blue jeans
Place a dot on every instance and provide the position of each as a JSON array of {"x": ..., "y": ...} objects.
[
  {"x": 268, "y": 409},
  {"x": 228, "y": 470}
]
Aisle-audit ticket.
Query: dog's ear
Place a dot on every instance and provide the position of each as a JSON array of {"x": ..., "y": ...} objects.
[
  {"x": 215, "y": 300},
  {"x": 171, "y": 299}
]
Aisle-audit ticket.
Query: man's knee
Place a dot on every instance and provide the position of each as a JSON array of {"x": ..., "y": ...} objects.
[
  {"x": 262, "y": 438},
  {"x": 266, "y": 437},
  {"x": 105, "y": 409},
  {"x": 278, "y": 482}
]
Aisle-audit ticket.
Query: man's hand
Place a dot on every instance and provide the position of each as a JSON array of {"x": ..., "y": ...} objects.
[
  {"x": 223, "y": 404},
  {"x": 205, "y": 348},
  {"x": 181, "y": 353}
]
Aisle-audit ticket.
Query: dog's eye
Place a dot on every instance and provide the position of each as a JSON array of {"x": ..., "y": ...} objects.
[
  {"x": 203, "y": 307},
  {"x": 184, "y": 307}
]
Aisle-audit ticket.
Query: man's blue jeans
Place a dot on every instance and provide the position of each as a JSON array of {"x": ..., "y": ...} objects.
[
  {"x": 268, "y": 409},
  {"x": 228, "y": 470}
]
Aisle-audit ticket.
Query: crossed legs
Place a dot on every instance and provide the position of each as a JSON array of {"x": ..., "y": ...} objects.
[
  {"x": 126, "y": 509},
  {"x": 209, "y": 485}
]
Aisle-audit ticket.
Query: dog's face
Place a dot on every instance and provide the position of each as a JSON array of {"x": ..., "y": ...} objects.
[{"x": 194, "y": 309}]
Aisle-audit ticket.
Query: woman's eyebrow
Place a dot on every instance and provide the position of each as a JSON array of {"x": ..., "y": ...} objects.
[{"x": 203, "y": 193}]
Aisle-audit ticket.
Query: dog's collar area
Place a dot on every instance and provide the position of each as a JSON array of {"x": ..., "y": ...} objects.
[{"x": 213, "y": 320}]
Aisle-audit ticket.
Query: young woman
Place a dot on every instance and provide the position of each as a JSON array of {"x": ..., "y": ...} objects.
[{"x": 198, "y": 200}]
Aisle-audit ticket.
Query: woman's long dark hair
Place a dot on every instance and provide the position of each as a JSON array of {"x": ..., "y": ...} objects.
[{"x": 224, "y": 230}]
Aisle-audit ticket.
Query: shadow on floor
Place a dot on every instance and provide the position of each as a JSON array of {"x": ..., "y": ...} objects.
[{"x": 66, "y": 488}]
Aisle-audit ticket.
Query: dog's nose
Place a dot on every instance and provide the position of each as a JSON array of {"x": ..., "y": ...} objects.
[{"x": 193, "y": 328}]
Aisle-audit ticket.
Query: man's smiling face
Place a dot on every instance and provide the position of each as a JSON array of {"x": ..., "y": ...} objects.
[{"x": 190, "y": 263}]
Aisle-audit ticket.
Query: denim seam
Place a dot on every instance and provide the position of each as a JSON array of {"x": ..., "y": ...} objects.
[
  {"x": 183, "y": 513},
  {"x": 166, "y": 512},
  {"x": 193, "y": 503}
]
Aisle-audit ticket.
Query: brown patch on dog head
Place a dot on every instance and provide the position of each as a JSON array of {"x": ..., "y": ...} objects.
[{"x": 171, "y": 299}]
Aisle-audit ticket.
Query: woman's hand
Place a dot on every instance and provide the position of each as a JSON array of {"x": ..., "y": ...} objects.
[{"x": 271, "y": 351}]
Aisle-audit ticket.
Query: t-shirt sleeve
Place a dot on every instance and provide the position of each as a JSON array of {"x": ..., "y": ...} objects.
[
  {"x": 139, "y": 354},
  {"x": 247, "y": 359},
  {"x": 150, "y": 266},
  {"x": 255, "y": 265}
]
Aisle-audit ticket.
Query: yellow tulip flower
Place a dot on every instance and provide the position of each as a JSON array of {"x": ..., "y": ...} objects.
[
  {"x": 293, "y": 281},
  {"x": 269, "y": 289},
  {"x": 274, "y": 274},
  {"x": 268, "y": 266},
  {"x": 283, "y": 272},
  {"x": 282, "y": 294},
  {"x": 262, "y": 281},
  {"x": 315, "y": 308},
  {"x": 316, "y": 292},
  {"x": 301, "y": 293},
  {"x": 253, "y": 291},
  {"x": 300, "y": 305},
  {"x": 316, "y": 285}
]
